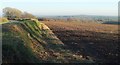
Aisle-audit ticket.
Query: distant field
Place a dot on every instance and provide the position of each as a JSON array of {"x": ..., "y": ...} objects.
[
  {"x": 103, "y": 28},
  {"x": 94, "y": 41}
]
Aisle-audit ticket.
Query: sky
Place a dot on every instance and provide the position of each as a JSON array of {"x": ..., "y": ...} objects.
[{"x": 64, "y": 7}]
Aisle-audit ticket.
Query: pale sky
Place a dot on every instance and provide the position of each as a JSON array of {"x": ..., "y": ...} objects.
[{"x": 64, "y": 7}]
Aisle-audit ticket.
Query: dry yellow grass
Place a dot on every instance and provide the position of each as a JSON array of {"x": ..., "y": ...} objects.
[{"x": 3, "y": 20}]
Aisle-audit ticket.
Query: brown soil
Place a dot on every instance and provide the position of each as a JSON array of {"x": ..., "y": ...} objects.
[{"x": 94, "y": 41}]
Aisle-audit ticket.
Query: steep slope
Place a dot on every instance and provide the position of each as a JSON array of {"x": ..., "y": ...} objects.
[{"x": 30, "y": 41}]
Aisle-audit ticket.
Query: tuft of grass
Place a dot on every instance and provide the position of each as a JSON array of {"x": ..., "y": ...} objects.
[{"x": 3, "y": 20}]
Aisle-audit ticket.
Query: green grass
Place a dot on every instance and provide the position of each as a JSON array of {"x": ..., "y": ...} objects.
[{"x": 15, "y": 48}]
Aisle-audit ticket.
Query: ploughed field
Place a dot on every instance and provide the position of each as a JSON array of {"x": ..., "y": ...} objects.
[{"x": 91, "y": 40}]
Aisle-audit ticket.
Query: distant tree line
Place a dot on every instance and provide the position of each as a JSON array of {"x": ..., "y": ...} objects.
[{"x": 12, "y": 13}]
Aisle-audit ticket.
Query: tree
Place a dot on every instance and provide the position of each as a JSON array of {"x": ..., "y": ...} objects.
[
  {"x": 27, "y": 15},
  {"x": 11, "y": 13}
]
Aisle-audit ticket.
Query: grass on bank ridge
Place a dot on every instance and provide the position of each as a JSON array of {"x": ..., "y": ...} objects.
[{"x": 30, "y": 41}]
